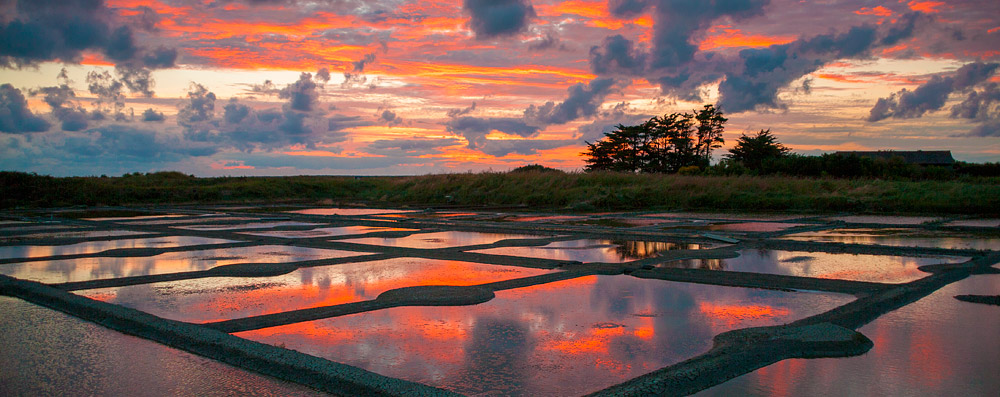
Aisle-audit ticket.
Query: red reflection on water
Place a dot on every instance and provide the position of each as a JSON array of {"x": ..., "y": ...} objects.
[
  {"x": 729, "y": 316},
  {"x": 568, "y": 337},
  {"x": 213, "y": 299}
]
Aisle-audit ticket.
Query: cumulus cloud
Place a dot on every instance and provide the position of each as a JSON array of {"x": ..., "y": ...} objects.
[
  {"x": 582, "y": 101},
  {"x": 748, "y": 80},
  {"x": 60, "y": 99},
  {"x": 475, "y": 129},
  {"x": 199, "y": 108},
  {"x": 15, "y": 117},
  {"x": 461, "y": 111},
  {"x": 152, "y": 116},
  {"x": 47, "y": 30},
  {"x": 355, "y": 76},
  {"x": 932, "y": 95},
  {"x": 389, "y": 118},
  {"x": 496, "y": 18},
  {"x": 302, "y": 95}
]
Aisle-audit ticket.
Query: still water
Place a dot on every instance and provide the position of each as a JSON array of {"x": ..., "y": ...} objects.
[
  {"x": 439, "y": 239},
  {"x": 90, "y": 247},
  {"x": 593, "y": 250},
  {"x": 69, "y": 270},
  {"x": 223, "y": 298},
  {"x": 904, "y": 238},
  {"x": 48, "y": 353},
  {"x": 874, "y": 268},
  {"x": 565, "y": 338},
  {"x": 937, "y": 346}
]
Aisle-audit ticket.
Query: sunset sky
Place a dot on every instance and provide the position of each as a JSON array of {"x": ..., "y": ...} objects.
[{"x": 389, "y": 87}]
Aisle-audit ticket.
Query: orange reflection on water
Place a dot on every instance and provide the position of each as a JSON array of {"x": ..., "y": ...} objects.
[
  {"x": 730, "y": 315},
  {"x": 212, "y": 299},
  {"x": 567, "y": 337}
]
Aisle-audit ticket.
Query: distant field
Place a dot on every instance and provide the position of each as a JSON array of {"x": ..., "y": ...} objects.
[{"x": 537, "y": 190}]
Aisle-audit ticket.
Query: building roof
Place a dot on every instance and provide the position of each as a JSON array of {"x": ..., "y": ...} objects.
[{"x": 922, "y": 157}]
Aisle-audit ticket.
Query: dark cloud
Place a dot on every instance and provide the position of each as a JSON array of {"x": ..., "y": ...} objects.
[
  {"x": 136, "y": 144},
  {"x": 340, "y": 123},
  {"x": 302, "y": 95},
  {"x": 199, "y": 108},
  {"x": 979, "y": 104},
  {"x": 234, "y": 112},
  {"x": 547, "y": 42},
  {"x": 146, "y": 20},
  {"x": 475, "y": 129},
  {"x": 150, "y": 115},
  {"x": 356, "y": 76},
  {"x": 323, "y": 74},
  {"x": 932, "y": 95},
  {"x": 989, "y": 128},
  {"x": 46, "y": 30},
  {"x": 60, "y": 99},
  {"x": 409, "y": 147},
  {"x": 389, "y": 118},
  {"x": 749, "y": 80},
  {"x": 495, "y": 18},
  {"x": 15, "y": 117},
  {"x": 617, "y": 56},
  {"x": 462, "y": 111},
  {"x": 582, "y": 101}
]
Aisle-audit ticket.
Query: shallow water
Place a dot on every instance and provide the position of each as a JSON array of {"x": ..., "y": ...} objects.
[
  {"x": 593, "y": 250},
  {"x": 975, "y": 223},
  {"x": 328, "y": 231},
  {"x": 346, "y": 211},
  {"x": 937, "y": 346},
  {"x": 34, "y": 251},
  {"x": 756, "y": 227},
  {"x": 72, "y": 234},
  {"x": 726, "y": 216},
  {"x": 198, "y": 219},
  {"x": 565, "y": 338},
  {"x": 885, "y": 220},
  {"x": 440, "y": 239},
  {"x": 218, "y": 298},
  {"x": 48, "y": 353},
  {"x": 903, "y": 238},
  {"x": 873, "y": 268},
  {"x": 259, "y": 225},
  {"x": 62, "y": 271}
]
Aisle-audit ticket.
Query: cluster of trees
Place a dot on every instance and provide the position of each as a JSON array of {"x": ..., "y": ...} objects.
[
  {"x": 661, "y": 144},
  {"x": 683, "y": 142}
]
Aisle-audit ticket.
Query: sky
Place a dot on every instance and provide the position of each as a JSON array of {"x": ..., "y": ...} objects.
[{"x": 396, "y": 87}]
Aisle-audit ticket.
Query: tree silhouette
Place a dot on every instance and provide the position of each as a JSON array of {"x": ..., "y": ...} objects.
[
  {"x": 661, "y": 144},
  {"x": 752, "y": 151}
]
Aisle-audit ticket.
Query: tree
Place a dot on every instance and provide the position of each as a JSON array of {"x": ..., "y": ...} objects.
[
  {"x": 752, "y": 151},
  {"x": 662, "y": 144}
]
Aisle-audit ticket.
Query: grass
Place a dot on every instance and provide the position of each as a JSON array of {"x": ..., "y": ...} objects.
[{"x": 539, "y": 190}]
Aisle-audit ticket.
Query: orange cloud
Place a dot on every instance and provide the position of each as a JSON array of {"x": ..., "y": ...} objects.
[
  {"x": 879, "y": 11},
  {"x": 728, "y": 38},
  {"x": 929, "y": 7}
]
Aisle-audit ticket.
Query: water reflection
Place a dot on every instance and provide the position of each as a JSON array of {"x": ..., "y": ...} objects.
[
  {"x": 34, "y": 251},
  {"x": 565, "y": 338},
  {"x": 875, "y": 268},
  {"x": 593, "y": 250},
  {"x": 885, "y": 220},
  {"x": 53, "y": 354},
  {"x": 61, "y": 271},
  {"x": 218, "y": 298},
  {"x": 72, "y": 234},
  {"x": 346, "y": 211},
  {"x": 328, "y": 231},
  {"x": 937, "y": 346},
  {"x": 259, "y": 225},
  {"x": 439, "y": 239},
  {"x": 904, "y": 238}
]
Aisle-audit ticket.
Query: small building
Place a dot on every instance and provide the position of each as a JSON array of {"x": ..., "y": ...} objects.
[{"x": 919, "y": 157}]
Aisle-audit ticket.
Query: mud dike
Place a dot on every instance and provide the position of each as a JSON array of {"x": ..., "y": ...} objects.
[{"x": 404, "y": 302}]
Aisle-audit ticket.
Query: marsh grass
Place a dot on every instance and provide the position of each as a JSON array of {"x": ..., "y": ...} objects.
[{"x": 541, "y": 190}]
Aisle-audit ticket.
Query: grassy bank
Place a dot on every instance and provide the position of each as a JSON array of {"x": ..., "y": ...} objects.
[{"x": 538, "y": 190}]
